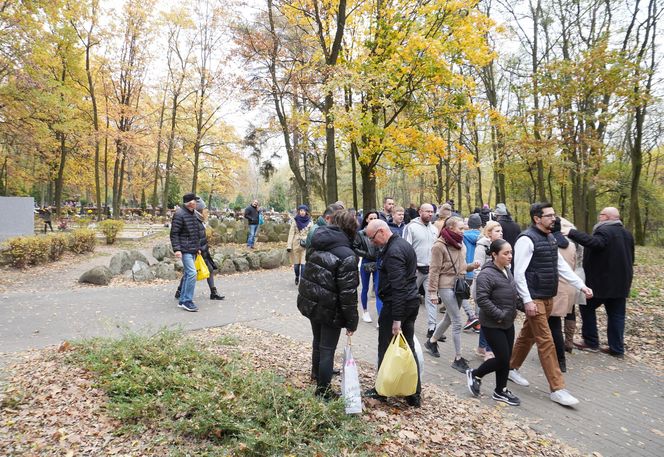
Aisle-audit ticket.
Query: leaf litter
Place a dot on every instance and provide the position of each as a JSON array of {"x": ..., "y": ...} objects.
[{"x": 54, "y": 408}]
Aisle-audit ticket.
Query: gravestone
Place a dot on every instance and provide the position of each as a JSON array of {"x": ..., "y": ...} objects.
[{"x": 18, "y": 217}]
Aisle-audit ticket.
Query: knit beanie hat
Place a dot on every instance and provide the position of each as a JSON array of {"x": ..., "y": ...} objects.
[
  {"x": 304, "y": 207},
  {"x": 501, "y": 209},
  {"x": 186, "y": 198},
  {"x": 474, "y": 221}
]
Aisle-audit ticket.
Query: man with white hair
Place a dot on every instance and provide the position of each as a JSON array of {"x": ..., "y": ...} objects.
[
  {"x": 398, "y": 290},
  {"x": 608, "y": 260}
]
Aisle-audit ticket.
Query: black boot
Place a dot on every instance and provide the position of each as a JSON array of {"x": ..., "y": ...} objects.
[
  {"x": 177, "y": 293},
  {"x": 214, "y": 295}
]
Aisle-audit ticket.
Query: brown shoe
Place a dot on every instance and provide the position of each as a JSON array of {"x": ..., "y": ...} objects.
[
  {"x": 608, "y": 351},
  {"x": 582, "y": 346}
]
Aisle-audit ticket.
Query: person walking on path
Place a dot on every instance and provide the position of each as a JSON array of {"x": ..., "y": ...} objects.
[
  {"x": 396, "y": 224},
  {"x": 497, "y": 298},
  {"x": 327, "y": 295},
  {"x": 369, "y": 265},
  {"x": 537, "y": 267},
  {"x": 511, "y": 229},
  {"x": 566, "y": 297},
  {"x": 608, "y": 260},
  {"x": 398, "y": 290},
  {"x": 388, "y": 210},
  {"x": 492, "y": 232},
  {"x": 187, "y": 240},
  {"x": 411, "y": 213},
  {"x": 323, "y": 220},
  {"x": 46, "y": 216},
  {"x": 448, "y": 262},
  {"x": 202, "y": 216},
  {"x": 421, "y": 234},
  {"x": 297, "y": 240},
  {"x": 252, "y": 216}
]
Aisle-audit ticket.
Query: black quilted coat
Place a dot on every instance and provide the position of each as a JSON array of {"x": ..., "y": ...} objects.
[
  {"x": 497, "y": 297},
  {"x": 328, "y": 287},
  {"x": 187, "y": 232}
]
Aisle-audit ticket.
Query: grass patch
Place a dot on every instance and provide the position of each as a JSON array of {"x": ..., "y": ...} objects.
[{"x": 165, "y": 381}]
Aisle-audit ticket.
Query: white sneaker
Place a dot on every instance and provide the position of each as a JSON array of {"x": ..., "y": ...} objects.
[
  {"x": 516, "y": 378},
  {"x": 564, "y": 398},
  {"x": 366, "y": 317}
]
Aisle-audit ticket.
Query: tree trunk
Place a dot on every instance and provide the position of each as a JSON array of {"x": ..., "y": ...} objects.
[
  {"x": 353, "y": 164},
  {"x": 59, "y": 182},
  {"x": 368, "y": 187},
  {"x": 155, "y": 197},
  {"x": 330, "y": 151}
]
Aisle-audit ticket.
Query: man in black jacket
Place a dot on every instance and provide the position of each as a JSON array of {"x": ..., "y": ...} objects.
[
  {"x": 252, "y": 216},
  {"x": 187, "y": 239},
  {"x": 511, "y": 229},
  {"x": 398, "y": 290},
  {"x": 608, "y": 260}
]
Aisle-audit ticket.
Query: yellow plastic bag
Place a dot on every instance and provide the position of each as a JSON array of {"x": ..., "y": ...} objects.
[
  {"x": 202, "y": 271},
  {"x": 397, "y": 375}
]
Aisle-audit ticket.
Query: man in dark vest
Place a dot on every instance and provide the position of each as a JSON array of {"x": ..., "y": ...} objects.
[
  {"x": 537, "y": 266},
  {"x": 608, "y": 260}
]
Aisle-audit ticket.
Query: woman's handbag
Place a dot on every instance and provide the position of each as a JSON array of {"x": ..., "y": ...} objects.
[
  {"x": 461, "y": 287},
  {"x": 202, "y": 271}
]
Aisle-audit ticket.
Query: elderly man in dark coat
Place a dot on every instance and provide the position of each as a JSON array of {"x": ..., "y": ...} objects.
[
  {"x": 608, "y": 261},
  {"x": 398, "y": 290}
]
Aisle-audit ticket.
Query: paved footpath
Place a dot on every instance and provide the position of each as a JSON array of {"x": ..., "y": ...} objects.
[{"x": 621, "y": 411}]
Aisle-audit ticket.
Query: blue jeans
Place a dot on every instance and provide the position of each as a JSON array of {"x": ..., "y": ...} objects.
[
  {"x": 364, "y": 278},
  {"x": 189, "y": 283},
  {"x": 615, "y": 325},
  {"x": 252, "y": 235}
]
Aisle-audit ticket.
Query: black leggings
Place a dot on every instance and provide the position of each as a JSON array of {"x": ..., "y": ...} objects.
[
  {"x": 501, "y": 341},
  {"x": 325, "y": 343},
  {"x": 555, "y": 325}
]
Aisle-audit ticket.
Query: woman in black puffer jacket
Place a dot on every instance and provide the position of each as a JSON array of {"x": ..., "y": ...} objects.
[
  {"x": 328, "y": 294},
  {"x": 497, "y": 298}
]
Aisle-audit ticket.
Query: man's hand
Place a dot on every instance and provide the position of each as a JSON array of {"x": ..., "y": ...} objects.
[
  {"x": 178, "y": 254},
  {"x": 434, "y": 299},
  {"x": 531, "y": 309},
  {"x": 588, "y": 292},
  {"x": 396, "y": 327},
  {"x": 349, "y": 332}
]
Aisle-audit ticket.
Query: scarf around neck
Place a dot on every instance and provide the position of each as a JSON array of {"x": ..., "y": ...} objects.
[
  {"x": 302, "y": 221},
  {"x": 451, "y": 238},
  {"x": 600, "y": 224}
]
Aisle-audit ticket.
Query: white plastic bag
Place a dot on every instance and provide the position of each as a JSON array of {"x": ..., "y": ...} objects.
[
  {"x": 350, "y": 383},
  {"x": 420, "y": 355}
]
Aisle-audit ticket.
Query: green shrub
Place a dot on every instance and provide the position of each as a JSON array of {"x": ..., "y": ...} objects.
[
  {"x": 110, "y": 228},
  {"x": 19, "y": 251},
  {"x": 82, "y": 240},
  {"x": 58, "y": 246},
  {"x": 83, "y": 222},
  {"x": 165, "y": 382}
]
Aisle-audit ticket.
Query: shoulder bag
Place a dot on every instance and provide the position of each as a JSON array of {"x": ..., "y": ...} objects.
[{"x": 461, "y": 287}]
